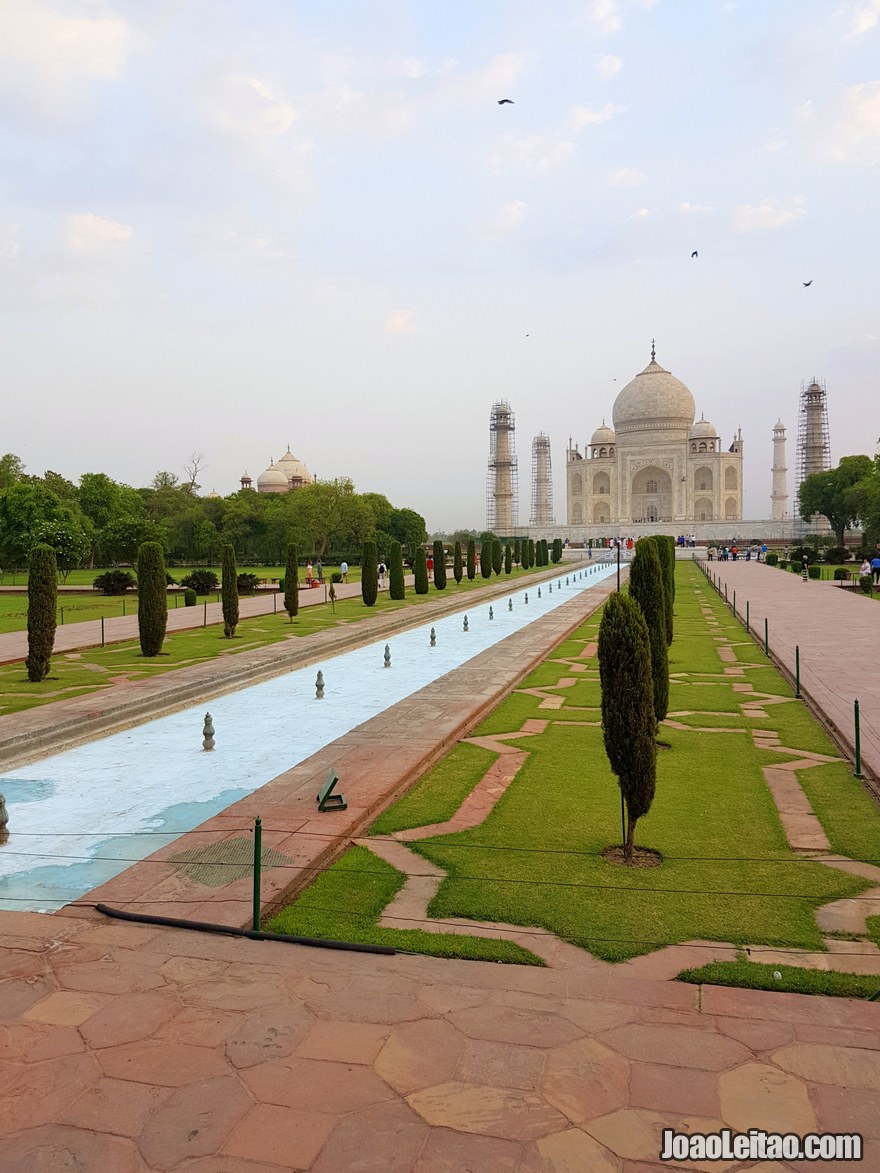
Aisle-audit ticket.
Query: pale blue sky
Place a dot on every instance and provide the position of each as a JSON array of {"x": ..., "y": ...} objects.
[{"x": 226, "y": 226}]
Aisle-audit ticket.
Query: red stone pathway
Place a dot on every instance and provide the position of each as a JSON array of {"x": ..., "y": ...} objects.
[{"x": 129, "y": 1048}]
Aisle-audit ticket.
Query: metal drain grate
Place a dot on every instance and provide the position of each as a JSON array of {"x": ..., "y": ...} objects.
[{"x": 221, "y": 863}]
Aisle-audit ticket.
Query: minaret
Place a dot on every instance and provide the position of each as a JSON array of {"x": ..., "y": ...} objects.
[{"x": 779, "y": 491}]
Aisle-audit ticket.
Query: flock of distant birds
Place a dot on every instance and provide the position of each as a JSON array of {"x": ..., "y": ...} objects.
[{"x": 694, "y": 254}]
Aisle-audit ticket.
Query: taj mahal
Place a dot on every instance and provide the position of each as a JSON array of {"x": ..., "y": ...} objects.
[{"x": 656, "y": 464}]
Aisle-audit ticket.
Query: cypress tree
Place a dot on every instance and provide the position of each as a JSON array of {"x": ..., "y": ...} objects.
[
  {"x": 628, "y": 722},
  {"x": 230, "y": 592},
  {"x": 457, "y": 570},
  {"x": 666, "y": 554},
  {"x": 369, "y": 574},
  {"x": 471, "y": 560},
  {"x": 421, "y": 571},
  {"x": 646, "y": 588},
  {"x": 439, "y": 566},
  {"x": 557, "y": 549},
  {"x": 485, "y": 558},
  {"x": 508, "y": 559},
  {"x": 517, "y": 553},
  {"x": 291, "y": 584},
  {"x": 396, "y": 580},
  {"x": 152, "y": 597},
  {"x": 42, "y": 604},
  {"x": 531, "y": 553},
  {"x": 497, "y": 556}
]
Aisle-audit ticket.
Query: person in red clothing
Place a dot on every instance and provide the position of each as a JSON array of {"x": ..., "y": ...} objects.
[{"x": 430, "y": 563}]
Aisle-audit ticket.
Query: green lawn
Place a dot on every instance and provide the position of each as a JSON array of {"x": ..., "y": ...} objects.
[
  {"x": 727, "y": 874},
  {"x": 85, "y": 578},
  {"x": 92, "y": 669},
  {"x": 792, "y": 979}
]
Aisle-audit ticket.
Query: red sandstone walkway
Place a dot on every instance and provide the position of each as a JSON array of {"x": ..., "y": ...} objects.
[{"x": 838, "y": 633}]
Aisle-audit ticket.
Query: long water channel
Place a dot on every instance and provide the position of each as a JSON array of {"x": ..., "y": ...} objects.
[{"x": 78, "y": 818}]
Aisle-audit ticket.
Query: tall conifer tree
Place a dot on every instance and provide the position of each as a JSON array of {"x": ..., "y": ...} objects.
[{"x": 41, "y": 611}]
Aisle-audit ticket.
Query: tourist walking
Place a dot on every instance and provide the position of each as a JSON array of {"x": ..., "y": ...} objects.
[
  {"x": 875, "y": 566},
  {"x": 804, "y": 565},
  {"x": 382, "y": 572},
  {"x": 319, "y": 571},
  {"x": 309, "y": 574},
  {"x": 343, "y": 570}
]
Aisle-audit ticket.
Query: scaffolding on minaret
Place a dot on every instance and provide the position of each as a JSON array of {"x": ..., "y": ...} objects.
[
  {"x": 814, "y": 439},
  {"x": 542, "y": 481},
  {"x": 502, "y": 480}
]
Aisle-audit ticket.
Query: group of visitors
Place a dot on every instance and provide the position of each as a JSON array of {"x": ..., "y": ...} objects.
[
  {"x": 687, "y": 541},
  {"x": 733, "y": 553}
]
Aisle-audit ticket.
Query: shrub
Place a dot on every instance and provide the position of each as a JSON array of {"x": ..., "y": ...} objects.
[
  {"x": 396, "y": 582},
  {"x": 841, "y": 575},
  {"x": 771, "y": 559},
  {"x": 114, "y": 582},
  {"x": 420, "y": 570},
  {"x": 230, "y": 592},
  {"x": 866, "y": 583},
  {"x": 836, "y": 554},
  {"x": 189, "y": 597},
  {"x": 497, "y": 556},
  {"x": 471, "y": 560},
  {"x": 485, "y": 558},
  {"x": 152, "y": 597},
  {"x": 369, "y": 574},
  {"x": 247, "y": 584},
  {"x": 508, "y": 559},
  {"x": 291, "y": 584},
  {"x": 439, "y": 566},
  {"x": 647, "y": 588},
  {"x": 814, "y": 571},
  {"x": 628, "y": 719},
  {"x": 798, "y": 552},
  {"x": 457, "y": 569},
  {"x": 795, "y": 567},
  {"x": 203, "y": 582},
  {"x": 42, "y": 604},
  {"x": 336, "y": 576}
]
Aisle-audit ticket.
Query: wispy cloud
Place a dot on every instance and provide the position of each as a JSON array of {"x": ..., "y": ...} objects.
[
  {"x": 400, "y": 322},
  {"x": 609, "y": 65},
  {"x": 583, "y": 116},
  {"x": 509, "y": 218},
  {"x": 686, "y": 207},
  {"x": 642, "y": 214},
  {"x": 87, "y": 232},
  {"x": 625, "y": 177},
  {"x": 864, "y": 17},
  {"x": 529, "y": 153},
  {"x": 767, "y": 215},
  {"x": 606, "y": 15},
  {"x": 848, "y": 129}
]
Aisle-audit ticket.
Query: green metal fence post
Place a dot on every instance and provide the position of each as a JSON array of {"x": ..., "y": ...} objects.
[
  {"x": 102, "y": 631},
  {"x": 766, "y": 640},
  {"x": 258, "y": 860},
  {"x": 205, "y": 620},
  {"x": 857, "y": 773},
  {"x": 725, "y": 592},
  {"x": 797, "y": 670},
  {"x": 747, "y": 616},
  {"x": 734, "y": 602},
  {"x": 62, "y": 616},
  {"x": 123, "y": 604}
]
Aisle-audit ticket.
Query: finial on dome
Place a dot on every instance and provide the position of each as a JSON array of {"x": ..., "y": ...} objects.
[{"x": 653, "y": 351}]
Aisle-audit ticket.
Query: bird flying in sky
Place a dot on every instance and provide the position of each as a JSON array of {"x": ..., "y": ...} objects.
[
  {"x": 694, "y": 254},
  {"x": 806, "y": 283},
  {"x": 505, "y": 102}
]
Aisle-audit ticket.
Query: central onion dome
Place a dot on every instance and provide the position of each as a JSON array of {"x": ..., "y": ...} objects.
[
  {"x": 654, "y": 401},
  {"x": 293, "y": 469}
]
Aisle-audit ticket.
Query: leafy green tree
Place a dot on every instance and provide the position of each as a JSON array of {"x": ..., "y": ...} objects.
[
  {"x": 420, "y": 570},
  {"x": 369, "y": 574},
  {"x": 291, "y": 583},
  {"x": 408, "y": 527},
  {"x": 471, "y": 559},
  {"x": 647, "y": 590},
  {"x": 497, "y": 556},
  {"x": 11, "y": 470},
  {"x": 486, "y": 556},
  {"x": 439, "y": 565},
  {"x": 457, "y": 569},
  {"x": 557, "y": 550},
  {"x": 666, "y": 554},
  {"x": 508, "y": 559},
  {"x": 152, "y": 598},
  {"x": 835, "y": 495},
  {"x": 66, "y": 537},
  {"x": 628, "y": 721},
  {"x": 230, "y": 592},
  {"x": 24, "y": 510},
  {"x": 396, "y": 579},
  {"x": 42, "y": 603}
]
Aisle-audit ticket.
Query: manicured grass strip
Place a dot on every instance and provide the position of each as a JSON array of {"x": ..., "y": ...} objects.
[
  {"x": 345, "y": 902},
  {"x": 510, "y": 715},
  {"x": 873, "y": 923},
  {"x": 439, "y": 793},
  {"x": 845, "y": 809},
  {"x": 751, "y": 975}
]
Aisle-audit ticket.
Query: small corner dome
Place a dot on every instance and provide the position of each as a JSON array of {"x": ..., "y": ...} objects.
[
  {"x": 213, "y": 495},
  {"x": 603, "y": 435},
  {"x": 702, "y": 430},
  {"x": 653, "y": 395},
  {"x": 271, "y": 477}
]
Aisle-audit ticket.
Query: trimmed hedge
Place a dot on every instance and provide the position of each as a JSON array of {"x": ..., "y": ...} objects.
[
  {"x": 439, "y": 566},
  {"x": 42, "y": 604},
  {"x": 189, "y": 597},
  {"x": 471, "y": 560},
  {"x": 396, "y": 581},
  {"x": 152, "y": 598},
  {"x": 369, "y": 574},
  {"x": 420, "y": 570},
  {"x": 230, "y": 592},
  {"x": 291, "y": 584},
  {"x": 771, "y": 559},
  {"x": 457, "y": 569}
]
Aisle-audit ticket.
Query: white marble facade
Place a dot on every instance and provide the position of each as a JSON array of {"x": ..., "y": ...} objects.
[{"x": 656, "y": 464}]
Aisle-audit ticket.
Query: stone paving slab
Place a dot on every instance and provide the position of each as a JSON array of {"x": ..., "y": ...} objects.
[
  {"x": 133, "y": 1047},
  {"x": 835, "y": 630}
]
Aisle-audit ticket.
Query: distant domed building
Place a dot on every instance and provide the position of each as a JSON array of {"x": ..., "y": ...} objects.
[
  {"x": 281, "y": 476},
  {"x": 656, "y": 464}
]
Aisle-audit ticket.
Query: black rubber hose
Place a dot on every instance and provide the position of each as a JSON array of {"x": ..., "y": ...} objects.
[{"x": 202, "y": 926}]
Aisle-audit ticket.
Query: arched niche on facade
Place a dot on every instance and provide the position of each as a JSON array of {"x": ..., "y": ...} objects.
[
  {"x": 703, "y": 480},
  {"x": 601, "y": 483},
  {"x": 731, "y": 480},
  {"x": 703, "y": 509},
  {"x": 651, "y": 495},
  {"x": 730, "y": 509}
]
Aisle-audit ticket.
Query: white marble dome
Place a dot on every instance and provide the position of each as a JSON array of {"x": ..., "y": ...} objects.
[
  {"x": 654, "y": 399},
  {"x": 273, "y": 480},
  {"x": 293, "y": 468},
  {"x": 603, "y": 435},
  {"x": 702, "y": 430}
]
